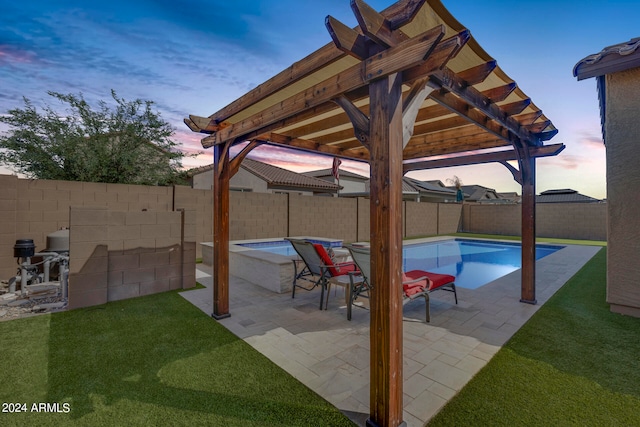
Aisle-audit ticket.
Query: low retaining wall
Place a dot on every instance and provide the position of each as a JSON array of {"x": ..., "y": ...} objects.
[{"x": 119, "y": 255}]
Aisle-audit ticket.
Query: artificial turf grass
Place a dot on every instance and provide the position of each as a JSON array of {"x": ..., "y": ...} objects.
[
  {"x": 155, "y": 360},
  {"x": 573, "y": 363},
  {"x": 538, "y": 239}
]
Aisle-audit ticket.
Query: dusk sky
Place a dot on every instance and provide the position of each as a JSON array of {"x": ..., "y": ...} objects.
[{"x": 196, "y": 56}]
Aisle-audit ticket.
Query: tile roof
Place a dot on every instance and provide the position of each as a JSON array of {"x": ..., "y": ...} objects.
[
  {"x": 478, "y": 192},
  {"x": 277, "y": 176},
  {"x": 429, "y": 186},
  {"x": 565, "y": 195},
  {"x": 611, "y": 59},
  {"x": 618, "y": 57},
  {"x": 327, "y": 172},
  {"x": 274, "y": 175}
]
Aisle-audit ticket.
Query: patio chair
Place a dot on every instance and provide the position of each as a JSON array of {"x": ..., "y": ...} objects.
[
  {"x": 318, "y": 268},
  {"x": 415, "y": 283}
]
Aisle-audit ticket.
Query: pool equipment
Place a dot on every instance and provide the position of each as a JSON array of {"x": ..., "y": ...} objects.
[{"x": 52, "y": 263}]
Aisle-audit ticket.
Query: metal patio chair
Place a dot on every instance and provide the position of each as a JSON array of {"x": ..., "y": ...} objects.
[
  {"x": 318, "y": 269},
  {"x": 415, "y": 283}
]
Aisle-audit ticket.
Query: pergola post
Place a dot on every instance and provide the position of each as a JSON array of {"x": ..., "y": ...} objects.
[
  {"x": 221, "y": 231},
  {"x": 528, "y": 174},
  {"x": 386, "y": 135}
]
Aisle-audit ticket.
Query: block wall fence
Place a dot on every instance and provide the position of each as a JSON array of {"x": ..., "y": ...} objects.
[
  {"x": 581, "y": 221},
  {"x": 117, "y": 255},
  {"x": 34, "y": 208}
]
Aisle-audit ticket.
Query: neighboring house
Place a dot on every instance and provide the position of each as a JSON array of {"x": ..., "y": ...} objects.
[
  {"x": 566, "y": 195},
  {"x": 510, "y": 197},
  {"x": 480, "y": 194},
  {"x": 350, "y": 182},
  {"x": 255, "y": 176},
  {"x": 430, "y": 191},
  {"x": 617, "y": 72},
  {"x": 414, "y": 190}
]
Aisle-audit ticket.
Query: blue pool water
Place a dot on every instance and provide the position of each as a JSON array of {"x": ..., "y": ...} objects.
[
  {"x": 473, "y": 262},
  {"x": 283, "y": 247}
]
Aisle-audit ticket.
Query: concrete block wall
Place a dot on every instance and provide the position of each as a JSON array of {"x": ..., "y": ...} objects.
[
  {"x": 258, "y": 215},
  {"x": 449, "y": 220},
  {"x": 40, "y": 207},
  {"x": 323, "y": 217},
  {"x": 364, "y": 220},
  {"x": 421, "y": 219},
  {"x": 117, "y": 255},
  {"x": 492, "y": 219},
  {"x": 582, "y": 221},
  {"x": 200, "y": 202},
  {"x": 8, "y": 210},
  {"x": 88, "y": 247}
]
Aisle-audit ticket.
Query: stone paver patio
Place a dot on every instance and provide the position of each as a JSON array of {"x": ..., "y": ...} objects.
[{"x": 331, "y": 355}]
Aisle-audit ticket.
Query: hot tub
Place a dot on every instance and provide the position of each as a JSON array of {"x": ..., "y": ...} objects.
[{"x": 264, "y": 262}]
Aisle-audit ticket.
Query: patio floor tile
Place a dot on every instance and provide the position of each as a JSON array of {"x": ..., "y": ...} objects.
[{"x": 331, "y": 355}]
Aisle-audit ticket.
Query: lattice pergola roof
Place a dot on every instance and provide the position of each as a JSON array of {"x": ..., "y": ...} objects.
[
  {"x": 407, "y": 83},
  {"x": 473, "y": 104}
]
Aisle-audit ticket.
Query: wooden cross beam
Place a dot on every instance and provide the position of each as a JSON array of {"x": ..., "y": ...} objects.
[
  {"x": 412, "y": 103},
  {"x": 359, "y": 120},
  {"x": 448, "y": 80},
  {"x": 375, "y": 26},
  {"x": 408, "y": 56},
  {"x": 474, "y": 159}
]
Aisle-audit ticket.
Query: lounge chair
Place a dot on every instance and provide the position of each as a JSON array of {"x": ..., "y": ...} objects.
[
  {"x": 318, "y": 268},
  {"x": 415, "y": 283}
]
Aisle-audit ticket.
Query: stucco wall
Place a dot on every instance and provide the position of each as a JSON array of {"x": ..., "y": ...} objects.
[
  {"x": 245, "y": 179},
  {"x": 351, "y": 185},
  {"x": 623, "y": 179}
]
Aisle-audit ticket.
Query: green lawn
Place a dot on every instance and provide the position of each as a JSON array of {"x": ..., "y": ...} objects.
[
  {"x": 155, "y": 360},
  {"x": 573, "y": 363}
]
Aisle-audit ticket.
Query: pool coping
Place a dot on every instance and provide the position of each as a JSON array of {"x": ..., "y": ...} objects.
[{"x": 265, "y": 269}]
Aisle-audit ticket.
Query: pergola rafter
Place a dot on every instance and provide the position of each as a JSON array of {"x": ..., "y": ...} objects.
[{"x": 406, "y": 84}]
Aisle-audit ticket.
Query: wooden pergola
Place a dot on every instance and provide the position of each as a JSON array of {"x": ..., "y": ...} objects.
[{"x": 407, "y": 84}]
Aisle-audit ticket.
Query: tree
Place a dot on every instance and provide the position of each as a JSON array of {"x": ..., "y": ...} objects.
[{"x": 127, "y": 143}]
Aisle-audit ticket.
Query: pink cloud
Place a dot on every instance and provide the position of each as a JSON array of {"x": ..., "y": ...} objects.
[
  {"x": 9, "y": 54},
  {"x": 590, "y": 140}
]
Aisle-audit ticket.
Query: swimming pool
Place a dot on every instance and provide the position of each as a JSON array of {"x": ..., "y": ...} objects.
[
  {"x": 283, "y": 247},
  {"x": 473, "y": 262}
]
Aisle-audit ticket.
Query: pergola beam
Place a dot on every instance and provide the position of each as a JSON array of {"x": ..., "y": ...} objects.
[
  {"x": 359, "y": 120},
  {"x": 496, "y": 95},
  {"x": 463, "y": 109},
  {"x": 401, "y": 57},
  {"x": 479, "y": 73},
  {"x": 447, "y": 79},
  {"x": 398, "y": 15},
  {"x": 347, "y": 39},
  {"x": 411, "y": 106},
  {"x": 375, "y": 26},
  {"x": 474, "y": 159}
]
